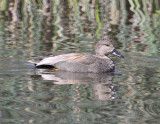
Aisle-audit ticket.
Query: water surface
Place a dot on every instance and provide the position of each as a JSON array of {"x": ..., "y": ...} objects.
[{"x": 30, "y": 30}]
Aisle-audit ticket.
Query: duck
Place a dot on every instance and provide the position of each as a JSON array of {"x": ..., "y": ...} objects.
[{"x": 84, "y": 62}]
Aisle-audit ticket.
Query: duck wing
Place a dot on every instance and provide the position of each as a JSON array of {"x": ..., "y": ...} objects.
[
  {"x": 77, "y": 63},
  {"x": 68, "y": 62},
  {"x": 85, "y": 59}
]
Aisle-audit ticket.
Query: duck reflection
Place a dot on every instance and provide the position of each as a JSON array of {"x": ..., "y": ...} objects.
[{"x": 103, "y": 88}]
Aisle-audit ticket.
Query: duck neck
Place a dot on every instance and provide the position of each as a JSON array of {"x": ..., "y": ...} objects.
[
  {"x": 101, "y": 55},
  {"x": 100, "y": 52}
]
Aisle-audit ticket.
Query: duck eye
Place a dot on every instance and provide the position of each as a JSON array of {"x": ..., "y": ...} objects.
[{"x": 107, "y": 44}]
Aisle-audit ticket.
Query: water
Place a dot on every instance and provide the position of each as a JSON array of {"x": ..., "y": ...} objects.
[{"x": 30, "y": 30}]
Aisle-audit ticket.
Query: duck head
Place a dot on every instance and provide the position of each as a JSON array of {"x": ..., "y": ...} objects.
[{"x": 105, "y": 47}]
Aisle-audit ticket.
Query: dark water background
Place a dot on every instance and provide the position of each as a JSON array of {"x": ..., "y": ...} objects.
[{"x": 31, "y": 29}]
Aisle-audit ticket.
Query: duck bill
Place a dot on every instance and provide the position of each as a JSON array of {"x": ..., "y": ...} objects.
[{"x": 115, "y": 52}]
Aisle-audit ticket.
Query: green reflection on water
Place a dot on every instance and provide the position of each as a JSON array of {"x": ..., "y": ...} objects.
[
  {"x": 31, "y": 29},
  {"x": 98, "y": 20}
]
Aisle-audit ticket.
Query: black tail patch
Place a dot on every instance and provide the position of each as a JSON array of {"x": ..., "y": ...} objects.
[{"x": 45, "y": 67}]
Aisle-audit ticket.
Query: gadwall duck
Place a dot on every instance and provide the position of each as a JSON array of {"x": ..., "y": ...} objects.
[{"x": 83, "y": 62}]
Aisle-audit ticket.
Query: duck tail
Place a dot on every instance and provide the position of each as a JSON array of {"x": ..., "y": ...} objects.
[
  {"x": 36, "y": 59},
  {"x": 33, "y": 62}
]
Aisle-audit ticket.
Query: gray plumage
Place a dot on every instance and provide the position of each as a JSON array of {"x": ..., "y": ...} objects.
[{"x": 83, "y": 62}]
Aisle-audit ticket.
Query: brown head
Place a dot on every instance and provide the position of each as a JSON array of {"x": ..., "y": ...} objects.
[{"x": 105, "y": 47}]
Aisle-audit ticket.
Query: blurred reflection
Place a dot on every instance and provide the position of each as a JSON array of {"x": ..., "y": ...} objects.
[
  {"x": 64, "y": 77},
  {"x": 102, "y": 83},
  {"x": 45, "y": 27},
  {"x": 14, "y": 9},
  {"x": 105, "y": 91}
]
